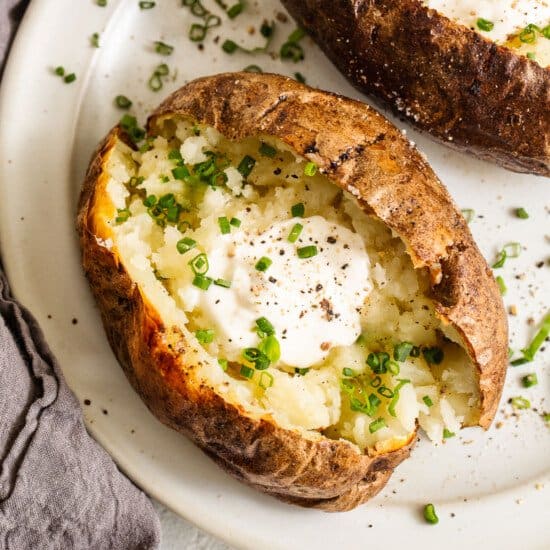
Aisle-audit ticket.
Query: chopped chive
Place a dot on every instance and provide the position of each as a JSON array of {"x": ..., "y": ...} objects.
[
  {"x": 259, "y": 358},
  {"x": 546, "y": 418},
  {"x": 235, "y": 10},
  {"x": 501, "y": 285},
  {"x": 306, "y": 252},
  {"x": 301, "y": 372},
  {"x": 146, "y": 5},
  {"x": 546, "y": 32},
  {"x": 298, "y": 210},
  {"x": 202, "y": 282},
  {"x": 150, "y": 200},
  {"x": 529, "y": 380},
  {"x": 346, "y": 371},
  {"x": 522, "y": 213},
  {"x": 378, "y": 362},
  {"x": 295, "y": 232},
  {"x": 433, "y": 356},
  {"x": 123, "y": 215},
  {"x": 122, "y": 102},
  {"x": 59, "y": 71},
  {"x": 429, "y": 514},
  {"x": 270, "y": 348},
  {"x": 205, "y": 336},
  {"x": 185, "y": 245},
  {"x": 267, "y": 150},
  {"x": 528, "y": 35},
  {"x": 129, "y": 124},
  {"x": 530, "y": 351},
  {"x": 164, "y": 178},
  {"x": 246, "y": 165},
  {"x": 310, "y": 169},
  {"x": 199, "y": 264},
  {"x": 447, "y": 433},
  {"x": 385, "y": 392},
  {"x": 377, "y": 425},
  {"x": 235, "y": 222},
  {"x": 300, "y": 78},
  {"x": 101, "y": 3},
  {"x": 469, "y": 214},
  {"x": 401, "y": 351},
  {"x": 415, "y": 352},
  {"x": 396, "y": 390},
  {"x": 376, "y": 381},
  {"x": 253, "y": 69},
  {"x": 265, "y": 326},
  {"x": 263, "y": 263},
  {"x": 393, "y": 367},
  {"x": 229, "y": 46},
  {"x": 427, "y": 400},
  {"x": 175, "y": 154},
  {"x": 224, "y": 364},
  {"x": 247, "y": 372},
  {"x": 223, "y": 283},
  {"x": 485, "y": 24},
  {"x": 266, "y": 380},
  {"x": 181, "y": 173},
  {"x": 94, "y": 40},
  {"x": 520, "y": 402},
  {"x": 531, "y": 55},
  {"x": 162, "y": 48},
  {"x": 69, "y": 78},
  {"x": 225, "y": 227},
  {"x": 134, "y": 181}
]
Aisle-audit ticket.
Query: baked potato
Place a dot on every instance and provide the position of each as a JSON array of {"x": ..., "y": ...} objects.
[
  {"x": 285, "y": 281},
  {"x": 473, "y": 75}
]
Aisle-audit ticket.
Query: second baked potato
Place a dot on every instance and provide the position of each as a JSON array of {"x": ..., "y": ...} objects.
[{"x": 285, "y": 281}]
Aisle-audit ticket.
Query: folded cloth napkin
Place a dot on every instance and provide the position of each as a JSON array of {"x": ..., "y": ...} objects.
[{"x": 58, "y": 488}]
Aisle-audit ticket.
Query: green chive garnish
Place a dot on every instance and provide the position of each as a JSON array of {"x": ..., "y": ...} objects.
[
  {"x": 433, "y": 356},
  {"x": 307, "y": 252},
  {"x": 235, "y": 222},
  {"x": 69, "y": 78},
  {"x": 301, "y": 372},
  {"x": 223, "y": 282},
  {"x": 59, "y": 71},
  {"x": 146, "y": 5},
  {"x": 185, "y": 245},
  {"x": 266, "y": 150},
  {"x": 150, "y": 200},
  {"x": 162, "y": 48},
  {"x": 377, "y": 425},
  {"x": 346, "y": 371},
  {"x": 529, "y": 34},
  {"x": 385, "y": 392},
  {"x": 253, "y": 69},
  {"x": 229, "y": 46},
  {"x": 310, "y": 169},
  {"x": 485, "y": 25},
  {"x": 181, "y": 173},
  {"x": 501, "y": 285},
  {"x": 175, "y": 154},
  {"x": 101, "y": 3},
  {"x": 270, "y": 348},
  {"x": 469, "y": 214},
  {"x": 298, "y": 210},
  {"x": 378, "y": 362},
  {"x": 122, "y": 102},
  {"x": 247, "y": 372},
  {"x": 202, "y": 282},
  {"x": 224, "y": 364},
  {"x": 396, "y": 390},
  {"x": 94, "y": 40},
  {"x": 300, "y": 78},
  {"x": 429, "y": 514},
  {"x": 265, "y": 326},
  {"x": 529, "y": 380},
  {"x": 295, "y": 232},
  {"x": 225, "y": 228},
  {"x": 530, "y": 351},
  {"x": 246, "y": 165},
  {"x": 520, "y": 402},
  {"x": 447, "y": 433},
  {"x": 266, "y": 380},
  {"x": 205, "y": 336},
  {"x": 522, "y": 213},
  {"x": 510, "y": 250},
  {"x": 235, "y": 10},
  {"x": 199, "y": 264},
  {"x": 123, "y": 215},
  {"x": 263, "y": 263},
  {"x": 401, "y": 351},
  {"x": 428, "y": 401}
]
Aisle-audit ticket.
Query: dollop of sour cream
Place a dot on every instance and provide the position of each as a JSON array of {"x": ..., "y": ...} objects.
[
  {"x": 313, "y": 303},
  {"x": 508, "y": 16}
]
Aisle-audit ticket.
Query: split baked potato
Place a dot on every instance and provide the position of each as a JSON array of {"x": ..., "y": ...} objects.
[
  {"x": 474, "y": 75},
  {"x": 285, "y": 281}
]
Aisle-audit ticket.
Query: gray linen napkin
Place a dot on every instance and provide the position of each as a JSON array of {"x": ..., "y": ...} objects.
[{"x": 58, "y": 488}]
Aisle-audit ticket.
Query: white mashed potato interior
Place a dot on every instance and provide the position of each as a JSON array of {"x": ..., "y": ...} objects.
[
  {"x": 300, "y": 306},
  {"x": 522, "y": 25}
]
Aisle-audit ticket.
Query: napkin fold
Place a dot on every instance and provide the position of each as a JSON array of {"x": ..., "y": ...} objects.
[{"x": 58, "y": 488}]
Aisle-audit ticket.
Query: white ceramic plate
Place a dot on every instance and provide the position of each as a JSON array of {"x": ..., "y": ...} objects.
[{"x": 490, "y": 489}]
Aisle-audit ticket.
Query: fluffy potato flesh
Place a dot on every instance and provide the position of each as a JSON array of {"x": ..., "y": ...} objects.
[
  {"x": 521, "y": 25},
  {"x": 354, "y": 350}
]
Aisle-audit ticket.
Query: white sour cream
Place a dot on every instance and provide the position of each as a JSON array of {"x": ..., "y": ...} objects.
[{"x": 313, "y": 303}]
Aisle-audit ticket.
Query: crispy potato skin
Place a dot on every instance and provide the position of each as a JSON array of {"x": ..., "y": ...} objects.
[
  {"x": 446, "y": 79},
  {"x": 361, "y": 152}
]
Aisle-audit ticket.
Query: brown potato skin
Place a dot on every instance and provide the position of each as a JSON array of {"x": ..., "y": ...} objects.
[
  {"x": 444, "y": 78},
  {"x": 362, "y": 152}
]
